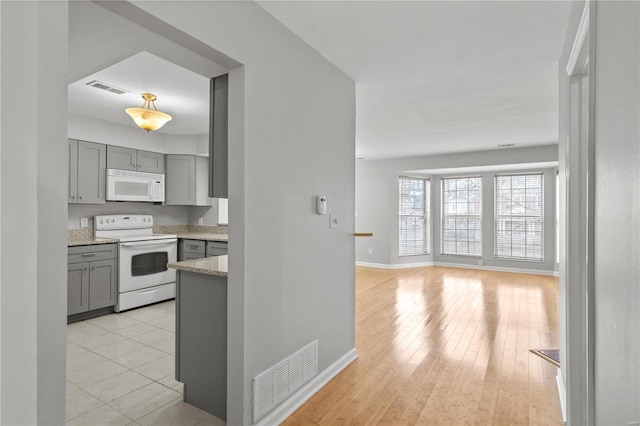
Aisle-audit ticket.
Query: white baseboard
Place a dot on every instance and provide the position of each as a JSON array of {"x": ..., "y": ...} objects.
[
  {"x": 562, "y": 395},
  {"x": 556, "y": 274},
  {"x": 495, "y": 268},
  {"x": 456, "y": 265},
  {"x": 291, "y": 404},
  {"x": 395, "y": 266}
]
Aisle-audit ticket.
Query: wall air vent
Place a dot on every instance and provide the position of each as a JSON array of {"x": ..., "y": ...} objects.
[
  {"x": 108, "y": 87},
  {"x": 507, "y": 145},
  {"x": 274, "y": 385}
]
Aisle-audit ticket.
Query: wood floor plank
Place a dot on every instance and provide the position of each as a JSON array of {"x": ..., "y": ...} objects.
[{"x": 445, "y": 346}]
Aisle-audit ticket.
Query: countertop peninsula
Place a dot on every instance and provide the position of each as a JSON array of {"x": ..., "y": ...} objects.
[{"x": 215, "y": 265}]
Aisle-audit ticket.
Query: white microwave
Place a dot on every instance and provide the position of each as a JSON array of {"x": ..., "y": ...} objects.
[{"x": 125, "y": 185}]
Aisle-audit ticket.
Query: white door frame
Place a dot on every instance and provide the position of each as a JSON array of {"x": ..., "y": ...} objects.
[{"x": 579, "y": 229}]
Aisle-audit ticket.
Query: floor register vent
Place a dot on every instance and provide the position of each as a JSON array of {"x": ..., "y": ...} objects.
[{"x": 274, "y": 385}]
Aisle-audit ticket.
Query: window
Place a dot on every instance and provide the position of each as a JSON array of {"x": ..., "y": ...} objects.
[
  {"x": 520, "y": 217},
  {"x": 462, "y": 216},
  {"x": 414, "y": 216}
]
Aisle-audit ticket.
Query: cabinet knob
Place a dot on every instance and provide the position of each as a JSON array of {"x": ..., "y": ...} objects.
[
  {"x": 73, "y": 197},
  {"x": 81, "y": 197},
  {"x": 93, "y": 268}
]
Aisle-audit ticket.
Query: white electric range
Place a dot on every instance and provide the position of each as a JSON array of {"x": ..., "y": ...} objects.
[{"x": 143, "y": 276}]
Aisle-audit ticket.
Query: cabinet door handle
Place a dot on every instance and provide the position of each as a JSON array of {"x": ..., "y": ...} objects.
[
  {"x": 81, "y": 197},
  {"x": 93, "y": 268},
  {"x": 73, "y": 197},
  {"x": 193, "y": 246},
  {"x": 88, "y": 254}
]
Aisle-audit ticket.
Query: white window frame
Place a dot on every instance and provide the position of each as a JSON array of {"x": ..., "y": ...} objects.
[
  {"x": 529, "y": 219},
  {"x": 474, "y": 218},
  {"x": 426, "y": 220}
]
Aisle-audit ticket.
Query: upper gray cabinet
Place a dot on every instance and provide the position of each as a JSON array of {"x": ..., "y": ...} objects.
[
  {"x": 122, "y": 158},
  {"x": 151, "y": 162},
  {"x": 218, "y": 137},
  {"x": 87, "y": 170},
  {"x": 186, "y": 180}
]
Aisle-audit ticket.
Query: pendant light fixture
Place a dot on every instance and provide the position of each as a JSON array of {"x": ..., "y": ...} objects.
[{"x": 147, "y": 118}]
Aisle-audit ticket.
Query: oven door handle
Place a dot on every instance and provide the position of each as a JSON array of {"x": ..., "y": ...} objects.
[{"x": 148, "y": 243}]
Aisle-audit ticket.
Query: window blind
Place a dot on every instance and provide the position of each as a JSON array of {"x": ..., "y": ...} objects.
[
  {"x": 413, "y": 227},
  {"x": 462, "y": 216},
  {"x": 519, "y": 214}
]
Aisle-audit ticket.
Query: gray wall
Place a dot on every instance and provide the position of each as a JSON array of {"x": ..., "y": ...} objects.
[
  {"x": 291, "y": 278},
  {"x": 617, "y": 207},
  {"x": 377, "y": 205},
  {"x": 33, "y": 215}
]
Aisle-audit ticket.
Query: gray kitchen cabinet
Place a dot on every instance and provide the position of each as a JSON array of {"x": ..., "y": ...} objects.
[
  {"x": 87, "y": 171},
  {"x": 122, "y": 158},
  {"x": 186, "y": 180},
  {"x": 72, "y": 146},
  {"x": 218, "y": 137},
  {"x": 77, "y": 288},
  {"x": 150, "y": 162},
  {"x": 216, "y": 248},
  {"x": 201, "y": 340},
  {"x": 191, "y": 249},
  {"x": 92, "y": 277}
]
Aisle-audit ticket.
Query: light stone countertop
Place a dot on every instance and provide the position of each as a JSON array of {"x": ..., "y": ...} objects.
[
  {"x": 85, "y": 237},
  {"x": 215, "y": 265},
  {"x": 203, "y": 236}
]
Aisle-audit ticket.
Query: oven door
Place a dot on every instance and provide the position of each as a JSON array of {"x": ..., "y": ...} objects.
[{"x": 144, "y": 263}]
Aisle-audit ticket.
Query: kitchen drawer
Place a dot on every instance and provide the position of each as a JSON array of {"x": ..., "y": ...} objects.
[
  {"x": 189, "y": 256},
  {"x": 193, "y": 246},
  {"x": 216, "y": 248},
  {"x": 91, "y": 253}
]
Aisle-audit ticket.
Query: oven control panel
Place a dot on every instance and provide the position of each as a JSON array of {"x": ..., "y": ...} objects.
[{"x": 123, "y": 221}]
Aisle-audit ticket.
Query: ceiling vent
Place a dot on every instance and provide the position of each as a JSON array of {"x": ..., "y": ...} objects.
[
  {"x": 507, "y": 145},
  {"x": 108, "y": 87}
]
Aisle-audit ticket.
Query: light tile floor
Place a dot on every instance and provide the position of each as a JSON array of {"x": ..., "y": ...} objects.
[{"x": 120, "y": 371}]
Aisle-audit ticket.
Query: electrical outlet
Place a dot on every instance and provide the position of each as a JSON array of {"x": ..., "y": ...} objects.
[
  {"x": 480, "y": 263},
  {"x": 334, "y": 221},
  {"x": 370, "y": 251},
  {"x": 201, "y": 221},
  {"x": 84, "y": 222}
]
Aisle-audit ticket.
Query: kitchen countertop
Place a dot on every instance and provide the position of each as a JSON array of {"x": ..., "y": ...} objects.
[
  {"x": 215, "y": 265},
  {"x": 85, "y": 237},
  {"x": 206, "y": 236},
  {"x": 89, "y": 241}
]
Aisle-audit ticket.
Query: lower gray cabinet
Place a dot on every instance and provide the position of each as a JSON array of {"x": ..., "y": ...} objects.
[
  {"x": 216, "y": 248},
  {"x": 77, "y": 288},
  {"x": 191, "y": 249},
  {"x": 92, "y": 277}
]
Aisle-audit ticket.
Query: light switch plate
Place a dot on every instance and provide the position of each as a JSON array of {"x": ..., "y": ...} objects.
[{"x": 334, "y": 221}]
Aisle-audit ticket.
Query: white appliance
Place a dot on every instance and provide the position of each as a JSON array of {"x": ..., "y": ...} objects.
[
  {"x": 126, "y": 185},
  {"x": 143, "y": 276}
]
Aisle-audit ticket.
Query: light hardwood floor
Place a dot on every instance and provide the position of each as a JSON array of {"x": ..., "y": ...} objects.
[{"x": 445, "y": 346}]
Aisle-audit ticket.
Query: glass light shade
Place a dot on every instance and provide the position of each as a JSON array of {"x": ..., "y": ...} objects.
[{"x": 148, "y": 119}]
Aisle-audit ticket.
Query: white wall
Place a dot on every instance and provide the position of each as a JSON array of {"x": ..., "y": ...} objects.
[
  {"x": 377, "y": 204},
  {"x": 617, "y": 213},
  {"x": 291, "y": 278},
  {"x": 109, "y": 133},
  {"x": 33, "y": 256}
]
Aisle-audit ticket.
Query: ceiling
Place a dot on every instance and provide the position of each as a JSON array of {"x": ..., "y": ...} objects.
[
  {"x": 439, "y": 77},
  {"x": 181, "y": 93},
  {"x": 104, "y": 46},
  {"x": 431, "y": 77}
]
